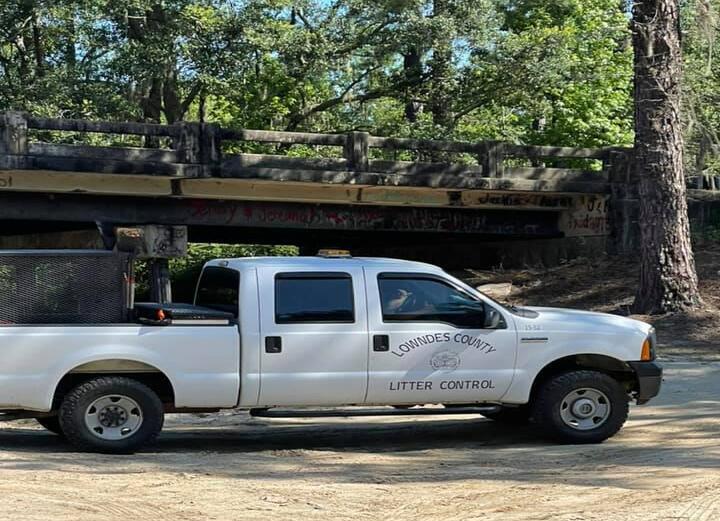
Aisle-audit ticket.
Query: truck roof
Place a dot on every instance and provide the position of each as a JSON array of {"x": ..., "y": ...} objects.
[{"x": 324, "y": 263}]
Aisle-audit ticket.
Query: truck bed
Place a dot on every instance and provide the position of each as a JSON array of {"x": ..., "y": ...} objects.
[{"x": 201, "y": 361}]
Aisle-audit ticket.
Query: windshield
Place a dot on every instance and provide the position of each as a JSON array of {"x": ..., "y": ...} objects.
[{"x": 473, "y": 291}]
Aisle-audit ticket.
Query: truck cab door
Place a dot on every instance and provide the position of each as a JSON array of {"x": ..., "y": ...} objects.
[
  {"x": 435, "y": 342},
  {"x": 314, "y": 337}
]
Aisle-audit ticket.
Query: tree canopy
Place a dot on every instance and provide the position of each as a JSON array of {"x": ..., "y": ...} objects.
[{"x": 526, "y": 71}]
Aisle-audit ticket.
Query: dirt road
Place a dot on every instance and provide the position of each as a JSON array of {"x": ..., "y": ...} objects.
[{"x": 665, "y": 464}]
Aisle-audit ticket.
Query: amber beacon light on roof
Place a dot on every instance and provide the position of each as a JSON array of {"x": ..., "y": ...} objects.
[{"x": 334, "y": 254}]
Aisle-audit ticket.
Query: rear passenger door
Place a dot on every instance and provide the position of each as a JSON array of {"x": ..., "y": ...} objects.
[
  {"x": 314, "y": 337},
  {"x": 432, "y": 343}
]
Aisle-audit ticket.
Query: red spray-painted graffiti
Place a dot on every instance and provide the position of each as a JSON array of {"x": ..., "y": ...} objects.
[{"x": 370, "y": 218}]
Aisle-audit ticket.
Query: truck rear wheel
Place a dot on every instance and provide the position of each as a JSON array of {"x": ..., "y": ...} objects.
[
  {"x": 51, "y": 423},
  {"x": 580, "y": 407},
  {"x": 111, "y": 414}
]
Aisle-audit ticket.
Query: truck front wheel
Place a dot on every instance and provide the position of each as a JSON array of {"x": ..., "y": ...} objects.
[
  {"x": 111, "y": 414},
  {"x": 580, "y": 407}
]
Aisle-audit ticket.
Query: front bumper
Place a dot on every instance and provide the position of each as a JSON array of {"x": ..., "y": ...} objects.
[{"x": 649, "y": 378}]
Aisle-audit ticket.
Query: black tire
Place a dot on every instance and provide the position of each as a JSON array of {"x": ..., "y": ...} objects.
[
  {"x": 77, "y": 403},
  {"x": 510, "y": 415},
  {"x": 51, "y": 423},
  {"x": 546, "y": 409}
]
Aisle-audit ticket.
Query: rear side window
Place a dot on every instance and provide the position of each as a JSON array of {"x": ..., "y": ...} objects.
[
  {"x": 313, "y": 297},
  {"x": 219, "y": 289}
]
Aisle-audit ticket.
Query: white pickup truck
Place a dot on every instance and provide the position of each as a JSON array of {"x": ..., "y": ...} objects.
[{"x": 328, "y": 331}]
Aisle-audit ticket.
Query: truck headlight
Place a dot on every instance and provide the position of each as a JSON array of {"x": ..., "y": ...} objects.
[{"x": 647, "y": 354}]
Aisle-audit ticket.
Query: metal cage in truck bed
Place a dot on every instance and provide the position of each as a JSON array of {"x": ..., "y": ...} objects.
[{"x": 64, "y": 286}]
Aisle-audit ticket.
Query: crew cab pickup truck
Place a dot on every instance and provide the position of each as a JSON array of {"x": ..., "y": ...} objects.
[{"x": 328, "y": 331}]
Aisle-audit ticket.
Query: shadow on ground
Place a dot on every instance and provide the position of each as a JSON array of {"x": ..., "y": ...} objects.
[{"x": 678, "y": 437}]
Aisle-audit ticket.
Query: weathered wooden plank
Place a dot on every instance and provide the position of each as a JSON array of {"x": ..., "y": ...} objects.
[
  {"x": 283, "y": 217},
  {"x": 310, "y": 175},
  {"x": 235, "y": 163},
  {"x": 63, "y": 182},
  {"x": 423, "y": 144},
  {"x": 415, "y": 168},
  {"x": 588, "y": 217},
  {"x": 114, "y": 153},
  {"x": 104, "y": 127},
  {"x": 99, "y": 166},
  {"x": 515, "y": 200},
  {"x": 555, "y": 173},
  {"x": 545, "y": 151},
  {"x": 703, "y": 195},
  {"x": 429, "y": 180},
  {"x": 462, "y": 198},
  {"x": 271, "y": 136},
  {"x": 258, "y": 190},
  {"x": 232, "y": 164}
]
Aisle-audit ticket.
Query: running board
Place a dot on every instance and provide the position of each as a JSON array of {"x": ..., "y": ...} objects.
[{"x": 415, "y": 411}]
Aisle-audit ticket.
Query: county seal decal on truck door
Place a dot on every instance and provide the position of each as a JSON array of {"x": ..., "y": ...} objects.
[{"x": 446, "y": 361}]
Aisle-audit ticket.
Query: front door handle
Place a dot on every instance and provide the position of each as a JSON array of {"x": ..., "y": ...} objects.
[
  {"x": 381, "y": 343},
  {"x": 273, "y": 344}
]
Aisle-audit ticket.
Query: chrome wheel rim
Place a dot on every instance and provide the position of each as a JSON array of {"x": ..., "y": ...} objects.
[
  {"x": 113, "y": 417},
  {"x": 585, "y": 409}
]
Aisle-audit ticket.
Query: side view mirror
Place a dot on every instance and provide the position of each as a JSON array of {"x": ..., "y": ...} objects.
[{"x": 493, "y": 318}]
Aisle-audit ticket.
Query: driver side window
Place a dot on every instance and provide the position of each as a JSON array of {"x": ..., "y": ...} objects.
[{"x": 418, "y": 298}]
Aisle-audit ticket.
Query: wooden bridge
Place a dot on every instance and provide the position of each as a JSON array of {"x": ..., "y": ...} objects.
[{"x": 239, "y": 185}]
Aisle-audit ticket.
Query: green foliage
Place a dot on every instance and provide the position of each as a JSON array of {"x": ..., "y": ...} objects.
[
  {"x": 526, "y": 71},
  {"x": 701, "y": 113},
  {"x": 472, "y": 69}
]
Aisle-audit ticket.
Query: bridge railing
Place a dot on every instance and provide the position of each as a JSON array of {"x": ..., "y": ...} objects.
[{"x": 196, "y": 150}]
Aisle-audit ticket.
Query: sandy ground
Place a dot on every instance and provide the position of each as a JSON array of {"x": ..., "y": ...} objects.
[{"x": 665, "y": 464}]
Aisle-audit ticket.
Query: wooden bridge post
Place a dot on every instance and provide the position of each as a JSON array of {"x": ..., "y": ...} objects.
[
  {"x": 199, "y": 144},
  {"x": 210, "y": 149},
  {"x": 14, "y": 133},
  {"x": 357, "y": 151},
  {"x": 210, "y": 143},
  {"x": 187, "y": 142},
  {"x": 492, "y": 158}
]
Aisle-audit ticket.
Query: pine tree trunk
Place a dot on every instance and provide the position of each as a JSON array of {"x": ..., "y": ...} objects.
[
  {"x": 668, "y": 281},
  {"x": 441, "y": 72}
]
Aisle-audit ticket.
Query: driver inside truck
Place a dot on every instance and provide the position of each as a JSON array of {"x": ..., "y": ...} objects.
[
  {"x": 396, "y": 299},
  {"x": 405, "y": 297}
]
